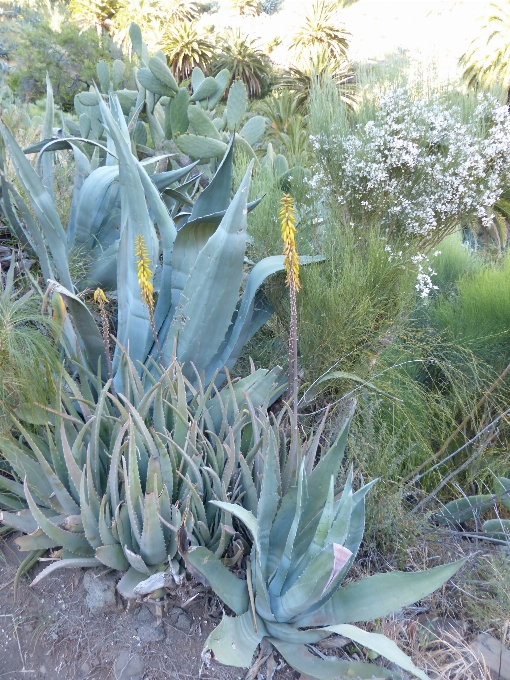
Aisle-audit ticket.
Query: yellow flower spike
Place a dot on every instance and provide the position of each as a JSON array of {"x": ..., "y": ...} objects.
[
  {"x": 99, "y": 295},
  {"x": 144, "y": 272},
  {"x": 288, "y": 222}
]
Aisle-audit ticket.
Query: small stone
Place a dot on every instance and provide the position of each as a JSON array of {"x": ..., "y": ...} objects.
[
  {"x": 129, "y": 667},
  {"x": 101, "y": 597},
  {"x": 180, "y": 620},
  {"x": 496, "y": 657},
  {"x": 144, "y": 615},
  {"x": 42, "y": 670},
  {"x": 85, "y": 668},
  {"x": 149, "y": 632}
]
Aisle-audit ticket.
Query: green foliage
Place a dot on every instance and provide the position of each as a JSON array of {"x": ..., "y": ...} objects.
[
  {"x": 96, "y": 14},
  {"x": 29, "y": 355},
  {"x": 320, "y": 32},
  {"x": 487, "y": 59},
  {"x": 245, "y": 61},
  {"x": 199, "y": 309},
  {"x": 186, "y": 48},
  {"x": 114, "y": 480},
  {"x": 69, "y": 56},
  {"x": 315, "y": 72},
  {"x": 303, "y": 545}
]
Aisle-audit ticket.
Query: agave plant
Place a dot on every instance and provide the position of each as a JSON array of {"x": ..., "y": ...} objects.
[
  {"x": 245, "y": 61},
  {"x": 110, "y": 481},
  {"x": 186, "y": 48},
  {"x": 470, "y": 507},
  {"x": 198, "y": 307},
  {"x": 304, "y": 542}
]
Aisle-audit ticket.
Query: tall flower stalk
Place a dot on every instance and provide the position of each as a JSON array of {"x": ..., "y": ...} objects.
[
  {"x": 101, "y": 299},
  {"x": 288, "y": 223},
  {"x": 145, "y": 283}
]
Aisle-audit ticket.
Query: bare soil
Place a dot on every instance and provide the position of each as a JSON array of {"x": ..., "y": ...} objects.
[{"x": 50, "y": 633}]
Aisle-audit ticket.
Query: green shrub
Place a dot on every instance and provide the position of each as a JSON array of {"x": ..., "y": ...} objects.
[{"x": 68, "y": 55}]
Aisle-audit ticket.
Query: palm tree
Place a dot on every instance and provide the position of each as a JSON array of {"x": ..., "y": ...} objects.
[
  {"x": 152, "y": 16},
  {"x": 487, "y": 59},
  {"x": 301, "y": 79},
  {"x": 321, "y": 32},
  {"x": 244, "y": 60},
  {"x": 186, "y": 48},
  {"x": 93, "y": 13},
  {"x": 246, "y": 7}
]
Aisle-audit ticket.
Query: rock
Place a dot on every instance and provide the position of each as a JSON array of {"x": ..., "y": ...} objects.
[
  {"x": 149, "y": 632},
  {"x": 180, "y": 620},
  {"x": 128, "y": 667},
  {"x": 101, "y": 597},
  {"x": 144, "y": 615},
  {"x": 487, "y": 649}
]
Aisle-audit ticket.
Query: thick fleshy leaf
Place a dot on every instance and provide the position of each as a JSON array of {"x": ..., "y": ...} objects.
[
  {"x": 129, "y": 581},
  {"x": 379, "y": 595},
  {"x": 206, "y": 306},
  {"x": 464, "y": 509},
  {"x": 216, "y": 196},
  {"x": 78, "y": 563},
  {"x": 235, "y": 640},
  {"x": 113, "y": 556},
  {"x": 380, "y": 644},
  {"x": 331, "y": 668},
  {"x": 269, "y": 499},
  {"x": 69, "y": 540},
  {"x": 232, "y": 590},
  {"x": 42, "y": 205},
  {"x": 88, "y": 333},
  {"x": 47, "y": 131},
  {"x": 152, "y": 544}
]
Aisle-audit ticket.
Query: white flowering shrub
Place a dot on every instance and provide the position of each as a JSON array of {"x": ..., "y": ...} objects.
[{"x": 417, "y": 167}]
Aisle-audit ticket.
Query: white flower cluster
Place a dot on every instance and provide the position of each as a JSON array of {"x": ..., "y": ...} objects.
[{"x": 417, "y": 167}]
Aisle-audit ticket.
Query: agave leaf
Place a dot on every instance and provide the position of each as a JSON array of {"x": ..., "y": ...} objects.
[
  {"x": 245, "y": 516},
  {"x": 232, "y": 590},
  {"x": 112, "y": 556},
  {"x": 234, "y": 640},
  {"x": 74, "y": 563},
  {"x": 88, "y": 333},
  {"x": 134, "y": 325},
  {"x": 103, "y": 272},
  {"x": 47, "y": 131},
  {"x": 332, "y": 668},
  {"x": 162, "y": 180},
  {"x": 104, "y": 524},
  {"x": 215, "y": 197},
  {"x": 206, "y": 307},
  {"x": 269, "y": 499},
  {"x": 380, "y": 644},
  {"x": 42, "y": 205},
  {"x": 379, "y": 595},
  {"x": 288, "y": 633},
  {"x": 250, "y": 500},
  {"x": 136, "y": 561},
  {"x": 77, "y": 543},
  {"x": 98, "y": 198}
]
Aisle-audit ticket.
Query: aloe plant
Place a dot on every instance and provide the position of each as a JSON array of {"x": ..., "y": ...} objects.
[
  {"x": 470, "y": 507},
  {"x": 110, "y": 481},
  {"x": 304, "y": 542}
]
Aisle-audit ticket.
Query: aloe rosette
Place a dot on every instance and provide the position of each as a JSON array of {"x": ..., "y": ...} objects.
[
  {"x": 304, "y": 542},
  {"x": 110, "y": 481}
]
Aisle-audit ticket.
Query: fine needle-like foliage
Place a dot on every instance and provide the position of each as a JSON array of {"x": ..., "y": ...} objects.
[{"x": 29, "y": 359}]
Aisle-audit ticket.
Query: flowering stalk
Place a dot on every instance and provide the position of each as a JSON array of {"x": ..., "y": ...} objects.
[
  {"x": 101, "y": 298},
  {"x": 288, "y": 222},
  {"x": 145, "y": 283}
]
